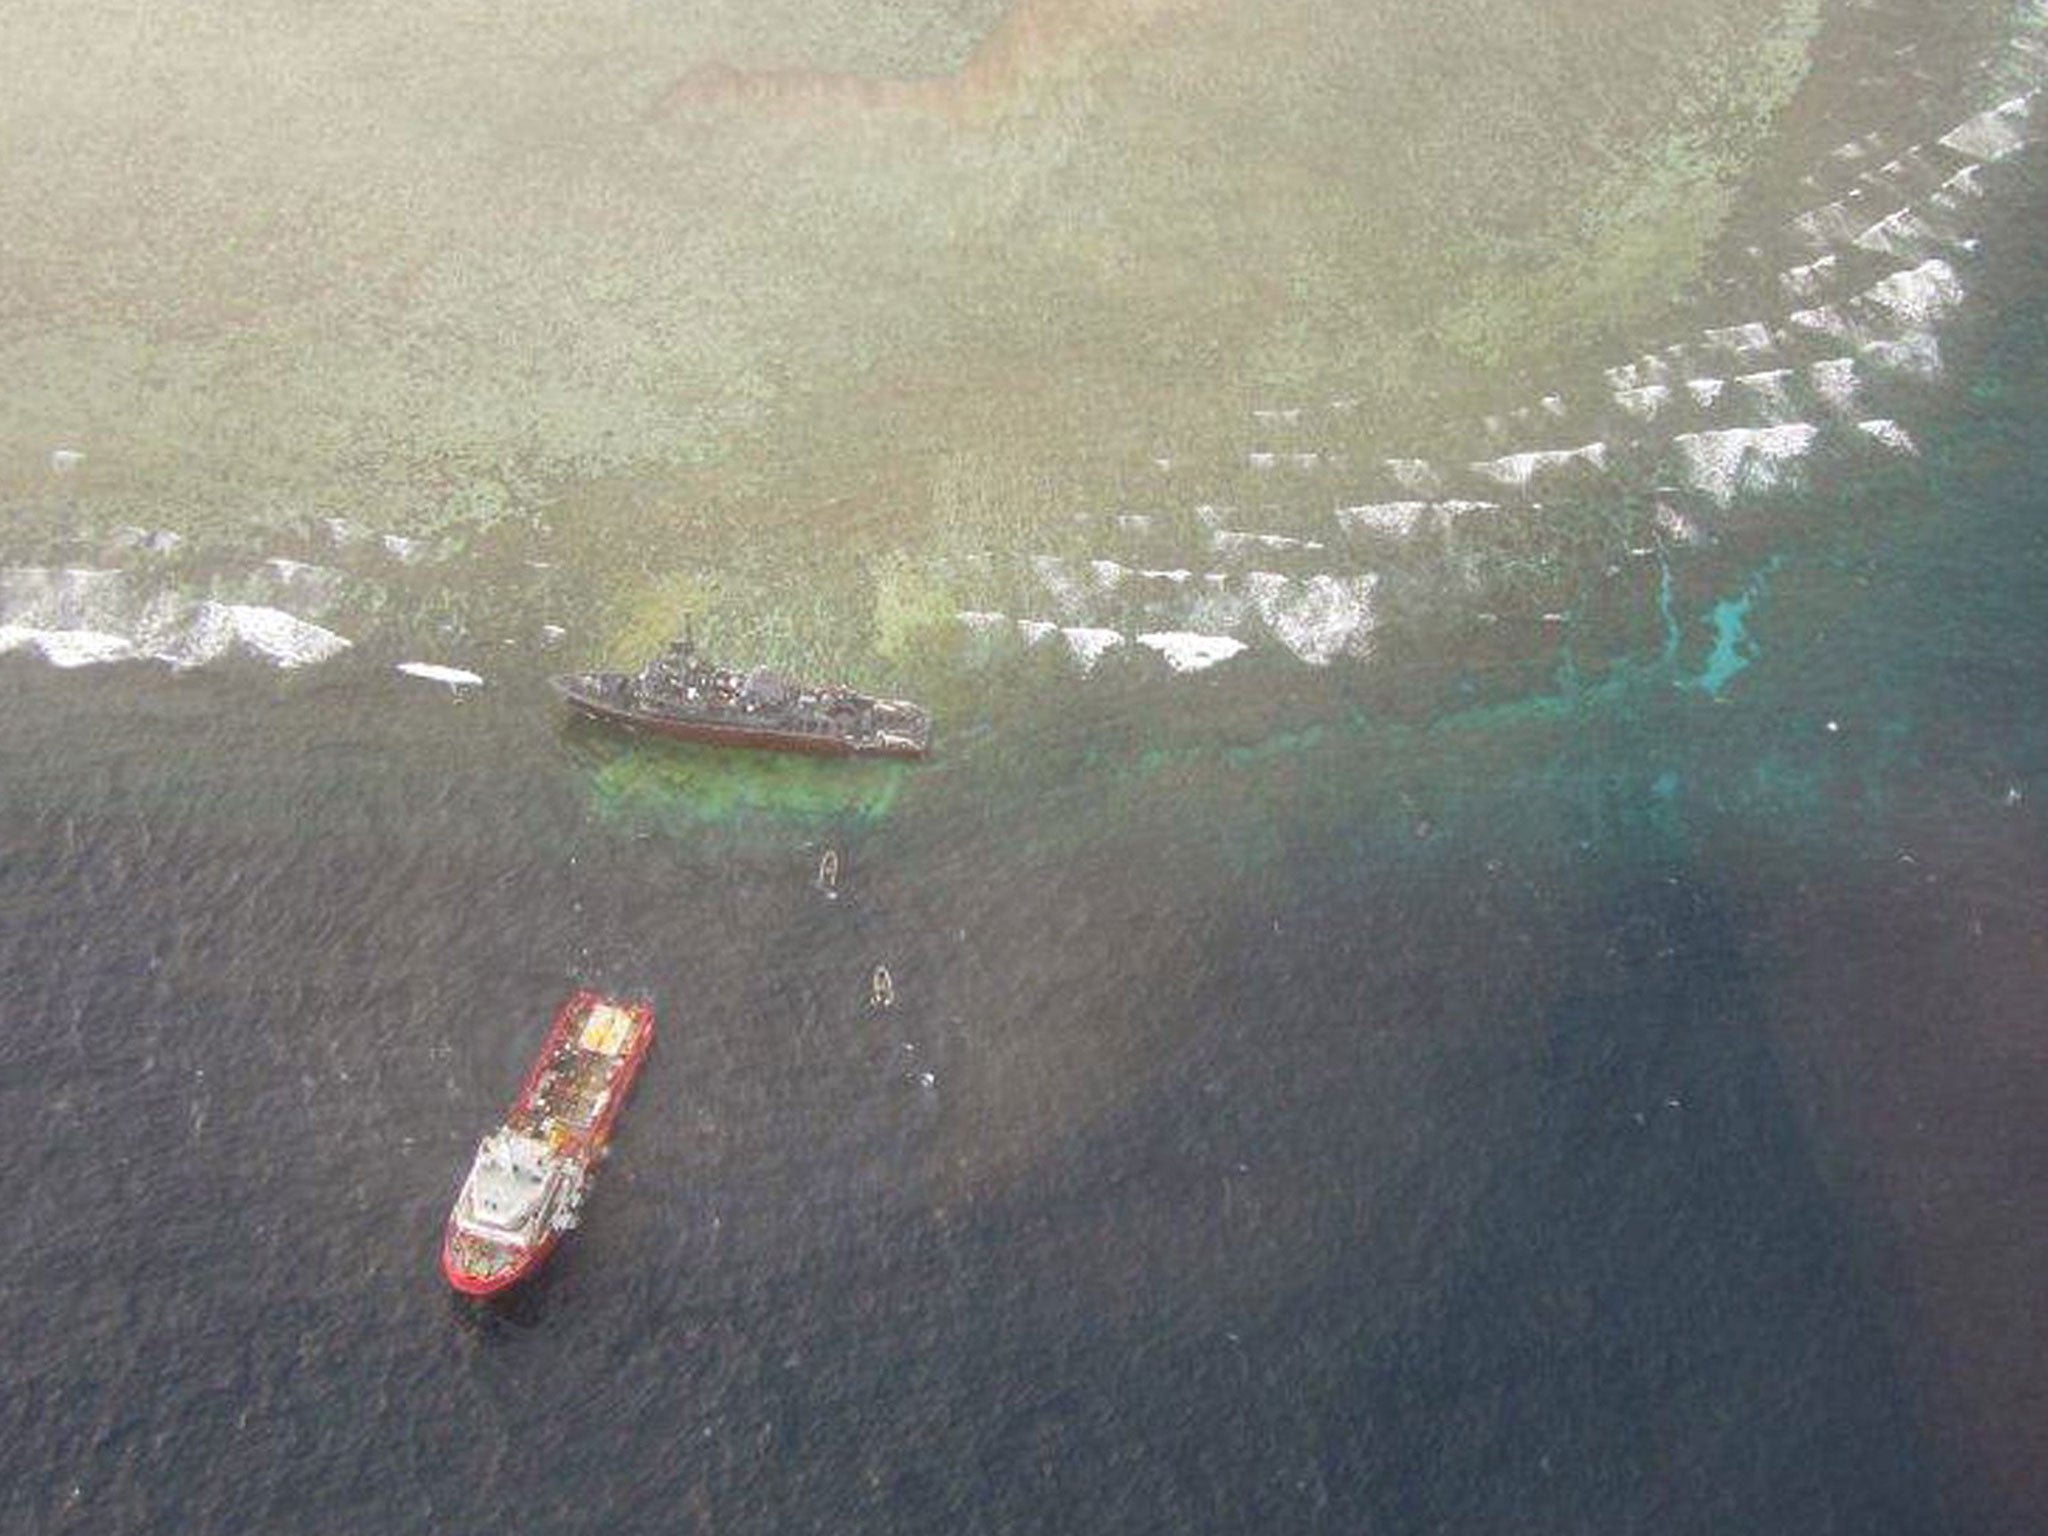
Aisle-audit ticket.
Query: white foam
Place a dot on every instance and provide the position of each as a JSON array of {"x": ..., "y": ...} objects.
[
  {"x": 1994, "y": 134},
  {"x": 1395, "y": 517},
  {"x": 1676, "y": 526},
  {"x": 66, "y": 647},
  {"x": 214, "y": 630},
  {"x": 1968, "y": 183},
  {"x": 981, "y": 621},
  {"x": 434, "y": 672},
  {"x": 1834, "y": 381},
  {"x": 1107, "y": 573},
  {"x": 1262, "y": 460},
  {"x": 1705, "y": 392},
  {"x": 1035, "y": 630},
  {"x": 1728, "y": 463},
  {"x": 1518, "y": 469},
  {"x": 1136, "y": 522},
  {"x": 1320, "y": 618},
  {"x": 400, "y": 548},
  {"x": 1890, "y": 433},
  {"x": 1186, "y": 651},
  {"x": 1919, "y": 295},
  {"x": 76, "y": 617},
  {"x": 1088, "y": 645},
  {"x": 1178, "y": 576},
  {"x": 1903, "y": 233}
]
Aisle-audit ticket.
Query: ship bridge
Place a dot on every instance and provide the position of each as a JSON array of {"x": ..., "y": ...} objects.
[{"x": 512, "y": 1186}]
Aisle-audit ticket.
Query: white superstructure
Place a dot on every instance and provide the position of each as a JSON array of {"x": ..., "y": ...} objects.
[{"x": 518, "y": 1191}]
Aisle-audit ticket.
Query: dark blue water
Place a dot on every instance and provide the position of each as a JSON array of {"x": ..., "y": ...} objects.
[
  {"x": 1287, "y": 1200},
  {"x": 1404, "y": 1106}
]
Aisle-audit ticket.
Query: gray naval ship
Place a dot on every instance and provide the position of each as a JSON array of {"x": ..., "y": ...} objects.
[{"x": 682, "y": 695}]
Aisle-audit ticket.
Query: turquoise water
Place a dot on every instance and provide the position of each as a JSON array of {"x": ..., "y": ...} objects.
[{"x": 1733, "y": 649}]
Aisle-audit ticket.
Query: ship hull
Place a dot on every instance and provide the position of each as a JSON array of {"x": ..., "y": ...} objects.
[
  {"x": 720, "y": 733},
  {"x": 479, "y": 1266},
  {"x": 460, "y": 1274}
]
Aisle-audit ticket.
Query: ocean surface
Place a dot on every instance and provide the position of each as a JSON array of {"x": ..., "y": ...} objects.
[{"x": 1477, "y": 975}]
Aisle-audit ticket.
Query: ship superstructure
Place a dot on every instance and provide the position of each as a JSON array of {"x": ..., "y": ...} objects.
[
  {"x": 527, "y": 1183},
  {"x": 682, "y": 695}
]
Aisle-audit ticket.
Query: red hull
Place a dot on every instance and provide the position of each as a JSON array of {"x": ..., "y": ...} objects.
[
  {"x": 585, "y": 1144},
  {"x": 471, "y": 1284}
]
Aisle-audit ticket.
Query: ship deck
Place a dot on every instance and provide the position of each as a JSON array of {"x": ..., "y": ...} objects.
[
  {"x": 587, "y": 1058},
  {"x": 836, "y": 722}
]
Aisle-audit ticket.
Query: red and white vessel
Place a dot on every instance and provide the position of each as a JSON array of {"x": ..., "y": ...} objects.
[{"x": 527, "y": 1185}]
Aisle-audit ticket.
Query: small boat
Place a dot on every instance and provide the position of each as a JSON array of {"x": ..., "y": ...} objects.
[
  {"x": 528, "y": 1182},
  {"x": 680, "y": 694}
]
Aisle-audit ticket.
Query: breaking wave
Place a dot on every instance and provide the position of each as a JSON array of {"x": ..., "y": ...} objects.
[
  {"x": 86, "y": 617},
  {"x": 1303, "y": 563}
]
